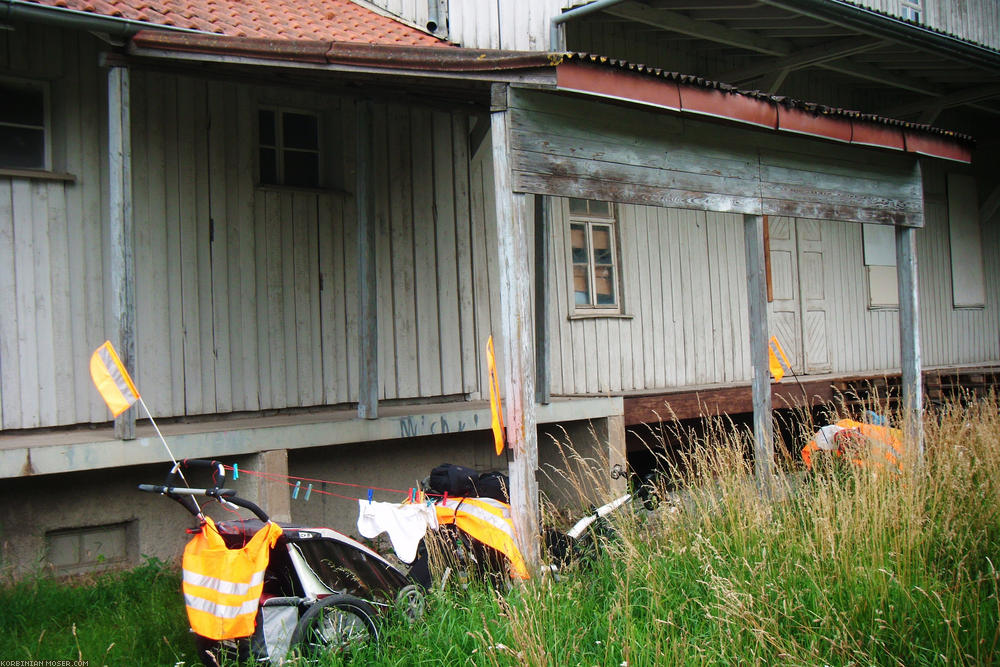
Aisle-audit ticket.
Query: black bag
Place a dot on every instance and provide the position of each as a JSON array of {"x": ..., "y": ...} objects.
[
  {"x": 458, "y": 482},
  {"x": 455, "y": 480},
  {"x": 494, "y": 485}
]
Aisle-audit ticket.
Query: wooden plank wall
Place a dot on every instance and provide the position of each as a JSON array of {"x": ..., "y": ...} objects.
[
  {"x": 264, "y": 315},
  {"x": 52, "y": 293},
  {"x": 563, "y": 144},
  {"x": 685, "y": 309},
  {"x": 974, "y": 20},
  {"x": 246, "y": 296}
]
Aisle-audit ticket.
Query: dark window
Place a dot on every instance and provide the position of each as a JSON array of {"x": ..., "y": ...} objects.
[
  {"x": 22, "y": 126},
  {"x": 288, "y": 148}
]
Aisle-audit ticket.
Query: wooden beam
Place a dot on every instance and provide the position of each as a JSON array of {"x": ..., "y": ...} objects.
[
  {"x": 753, "y": 240},
  {"x": 909, "y": 339},
  {"x": 676, "y": 22},
  {"x": 805, "y": 58},
  {"x": 364, "y": 193},
  {"x": 543, "y": 299},
  {"x": 515, "y": 340},
  {"x": 946, "y": 99},
  {"x": 714, "y": 401},
  {"x": 121, "y": 231}
]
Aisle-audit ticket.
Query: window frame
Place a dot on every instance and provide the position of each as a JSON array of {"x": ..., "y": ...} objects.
[
  {"x": 46, "y": 127},
  {"x": 280, "y": 148},
  {"x": 589, "y": 221}
]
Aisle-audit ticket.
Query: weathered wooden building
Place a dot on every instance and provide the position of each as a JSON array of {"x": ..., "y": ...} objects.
[{"x": 301, "y": 238}]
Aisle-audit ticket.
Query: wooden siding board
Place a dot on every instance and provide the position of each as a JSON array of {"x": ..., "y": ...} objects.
[
  {"x": 243, "y": 281},
  {"x": 447, "y": 272},
  {"x": 262, "y": 304},
  {"x": 403, "y": 274},
  {"x": 26, "y": 314},
  {"x": 197, "y": 93},
  {"x": 384, "y": 255},
  {"x": 222, "y": 239},
  {"x": 426, "y": 258},
  {"x": 286, "y": 334},
  {"x": 186, "y": 196},
  {"x": 561, "y": 358},
  {"x": 10, "y": 373},
  {"x": 463, "y": 249},
  {"x": 165, "y": 107}
]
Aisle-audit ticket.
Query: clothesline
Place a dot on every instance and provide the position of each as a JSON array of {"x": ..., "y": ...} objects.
[{"x": 293, "y": 481}]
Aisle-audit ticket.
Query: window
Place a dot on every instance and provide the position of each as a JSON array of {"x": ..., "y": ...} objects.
[
  {"x": 879, "y": 245},
  {"x": 910, "y": 9},
  {"x": 968, "y": 277},
  {"x": 23, "y": 126},
  {"x": 594, "y": 256},
  {"x": 288, "y": 148}
]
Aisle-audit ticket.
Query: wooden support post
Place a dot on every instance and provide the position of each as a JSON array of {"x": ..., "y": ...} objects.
[
  {"x": 121, "y": 232},
  {"x": 543, "y": 296},
  {"x": 518, "y": 379},
  {"x": 753, "y": 239},
  {"x": 364, "y": 193},
  {"x": 909, "y": 339}
]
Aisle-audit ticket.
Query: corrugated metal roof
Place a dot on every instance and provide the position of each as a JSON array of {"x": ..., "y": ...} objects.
[{"x": 329, "y": 20}]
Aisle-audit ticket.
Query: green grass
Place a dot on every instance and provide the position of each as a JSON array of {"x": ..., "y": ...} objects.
[
  {"x": 120, "y": 618},
  {"x": 845, "y": 568}
]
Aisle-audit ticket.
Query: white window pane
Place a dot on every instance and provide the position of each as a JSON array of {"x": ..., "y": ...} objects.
[
  {"x": 578, "y": 241},
  {"x": 578, "y": 206},
  {"x": 602, "y": 245}
]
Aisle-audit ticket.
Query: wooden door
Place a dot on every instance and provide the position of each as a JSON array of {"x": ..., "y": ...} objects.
[{"x": 797, "y": 312}]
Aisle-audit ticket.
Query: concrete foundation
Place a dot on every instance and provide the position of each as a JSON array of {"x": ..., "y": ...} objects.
[{"x": 68, "y": 523}]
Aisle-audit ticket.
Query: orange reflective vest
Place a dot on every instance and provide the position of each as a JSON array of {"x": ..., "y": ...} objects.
[
  {"x": 222, "y": 586},
  {"x": 884, "y": 445},
  {"x": 488, "y": 521}
]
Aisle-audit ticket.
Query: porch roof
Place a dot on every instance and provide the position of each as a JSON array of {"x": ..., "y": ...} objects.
[{"x": 588, "y": 74}]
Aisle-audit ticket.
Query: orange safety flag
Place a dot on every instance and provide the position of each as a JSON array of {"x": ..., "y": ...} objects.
[
  {"x": 112, "y": 380},
  {"x": 222, "y": 586},
  {"x": 772, "y": 359},
  {"x": 496, "y": 412},
  {"x": 488, "y": 521}
]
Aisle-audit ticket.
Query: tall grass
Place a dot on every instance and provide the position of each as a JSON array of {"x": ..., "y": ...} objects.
[
  {"x": 839, "y": 567},
  {"x": 844, "y": 566},
  {"x": 117, "y": 618}
]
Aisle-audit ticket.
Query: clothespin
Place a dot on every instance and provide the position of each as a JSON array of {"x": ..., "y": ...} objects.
[
  {"x": 309, "y": 490},
  {"x": 236, "y": 471},
  {"x": 370, "y": 492},
  {"x": 295, "y": 493},
  {"x": 444, "y": 500},
  {"x": 413, "y": 495}
]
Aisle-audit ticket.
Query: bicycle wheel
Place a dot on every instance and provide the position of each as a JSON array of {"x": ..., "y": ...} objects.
[{"x": 335, "y": 624}]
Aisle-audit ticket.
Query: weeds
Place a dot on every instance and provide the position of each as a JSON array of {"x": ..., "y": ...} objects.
[{"x": 843, "y": 566}]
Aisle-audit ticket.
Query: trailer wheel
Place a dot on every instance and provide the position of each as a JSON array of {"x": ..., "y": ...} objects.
[
  {"x": 410, "y": 602},
  {"x": 335, "y": 624}
]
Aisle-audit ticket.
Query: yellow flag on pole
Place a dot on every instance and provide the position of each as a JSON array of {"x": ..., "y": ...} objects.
[
  {"x": 774, "y": 347},
  {"x": 496, "y": 412},
  {"x": 112, "y": 380}
]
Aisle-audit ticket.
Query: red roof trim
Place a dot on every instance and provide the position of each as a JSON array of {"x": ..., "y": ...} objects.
[
  {"x": 598, "y": 77},
  {"x": 619, "y": 85},
  {"x": 925, "y": 144},
  {"x": 729, "y": 106},
  {"x": 803, "y": 122}
]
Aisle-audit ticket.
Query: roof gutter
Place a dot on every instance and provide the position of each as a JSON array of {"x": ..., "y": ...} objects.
[
  {"x": 867, "y": 21},
  {"x": 114, "y": 26},
  {"x": 572, "y": 14}
]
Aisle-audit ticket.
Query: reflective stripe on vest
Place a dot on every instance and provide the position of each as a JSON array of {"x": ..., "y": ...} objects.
[
  {"x": 222, "y": 586},
  {"x": 488, "y": 521}
]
